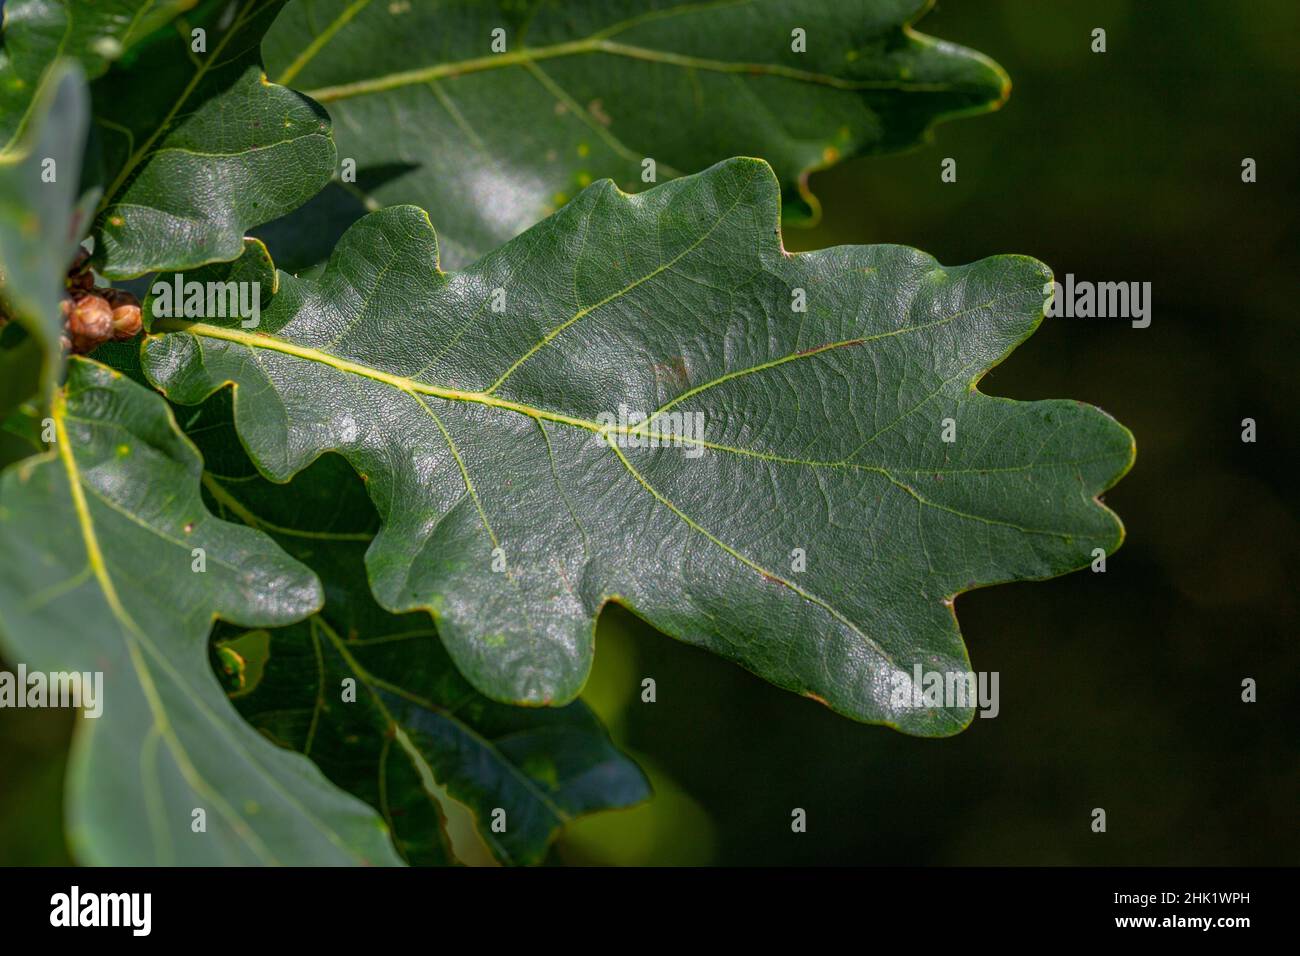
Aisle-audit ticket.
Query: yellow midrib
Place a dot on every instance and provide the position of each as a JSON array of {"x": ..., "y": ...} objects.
[
  {"x": 496, "y": 61},
  {"x": 133, "y": 634},
  {"x": 598, "y": 42},
  {"x": 135, "y": 639},
  {"x": 415, "y": 388},
  {"x": 372, "y": 682},
  {"x": 607, "y": 432}
]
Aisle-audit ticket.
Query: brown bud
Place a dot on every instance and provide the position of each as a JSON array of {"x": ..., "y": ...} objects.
[
  {"x": 126, "y": 322},
  {"x": 90, "y": 324}
]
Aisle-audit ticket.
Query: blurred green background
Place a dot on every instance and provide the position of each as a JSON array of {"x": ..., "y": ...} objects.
[{"x": 1120, "y": 690}]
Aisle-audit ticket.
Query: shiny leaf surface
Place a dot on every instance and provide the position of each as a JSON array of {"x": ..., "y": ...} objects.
[{"x": 789, "y": 498}]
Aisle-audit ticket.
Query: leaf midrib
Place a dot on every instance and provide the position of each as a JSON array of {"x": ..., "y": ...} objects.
[
  {"x": 137, "y": 641},
  {"x": 349, "y": 13},
  {"x": 597, "y": 42},
  {"x": 375, "y": 684},
  {"x": 135, "y": 637},
  {"x": 414, "y": 389},
  {"x": 482, "y": 397},
  {"x": 608, "y": 432},
  {"x": 593, "y": 44}
]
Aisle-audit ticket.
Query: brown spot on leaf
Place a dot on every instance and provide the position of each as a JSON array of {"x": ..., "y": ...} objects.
[{"x": 672, "y": 372}]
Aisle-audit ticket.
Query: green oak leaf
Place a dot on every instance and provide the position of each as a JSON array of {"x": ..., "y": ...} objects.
[
  {"x": 98, "y": 537},
  {"x": 491, "y": 142},
  {"x": 197, "y": 146},
  {"x": 92, "y": 32},
  {"x": 39, "y": 231},
  {"x": 415, "y": 719},
  {"x": 789, "y": 502}
]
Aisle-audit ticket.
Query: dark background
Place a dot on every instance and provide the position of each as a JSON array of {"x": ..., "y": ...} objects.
[{"x": 1119, "y": 690}]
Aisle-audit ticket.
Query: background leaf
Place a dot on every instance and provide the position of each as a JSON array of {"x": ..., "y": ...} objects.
[
  {"x": 39, "y": 232},
  {"x": 92, "y": 32},
  {"x": 99, "y": 536},
  {"x": 490, "y": 143},
  {"x": 516, "y": 502},
  {"x": 198, "y": 147}
]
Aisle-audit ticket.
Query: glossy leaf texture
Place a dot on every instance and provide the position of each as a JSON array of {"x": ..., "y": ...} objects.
[
  {"x": 415, "y": 726},
  {"x": 197, "y": 146},
  {"x": 102, "y": 537},
  {"x": 93, "y": 32},
  {"x": 39, "y": 231},
  {"x": 492, "y": 114},
  {"x": 788, "y": 500}
]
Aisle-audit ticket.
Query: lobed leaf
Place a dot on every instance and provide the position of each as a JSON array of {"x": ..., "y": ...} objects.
[
  {"x": 198, "y": 147},
  {"x": 517, "y": 495},
  {"x": 99, "y": 536},
  {"x": 491, "y": 142}
]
